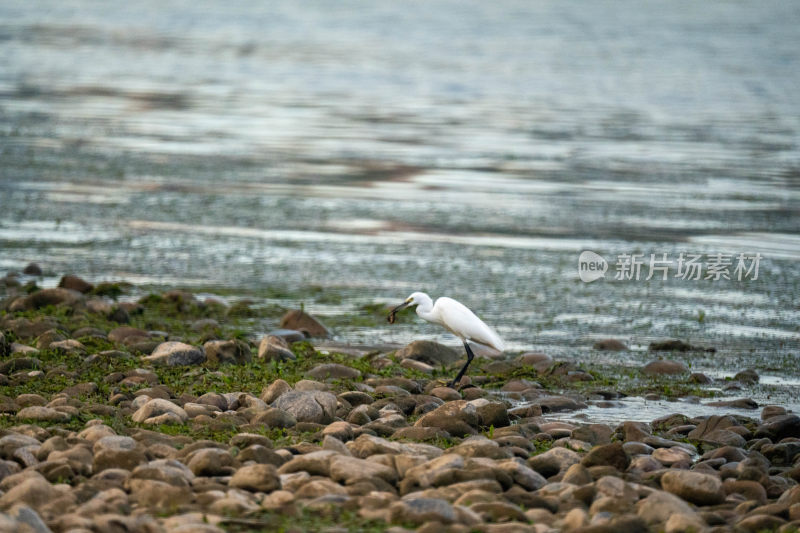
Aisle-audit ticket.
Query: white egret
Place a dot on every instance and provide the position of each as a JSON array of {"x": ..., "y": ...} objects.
[{"x": 457, "y": 319}]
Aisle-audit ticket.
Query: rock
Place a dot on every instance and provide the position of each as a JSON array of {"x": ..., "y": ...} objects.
[
  {"x": 5, "y": 346},
  {"x": 459, "y": 418},
  {"x": 301, "y": 321},
  {"x": 274, "y": 390},
  {"x": 275, "y": 418},
  {"x": 42, "y": 413},
  {"x": 491, "y": 414},
  {"x": 45, "y": 297},
  {"x": 417, "y": 511},
  {"x": 333, "y": 371},
  {"x": 33, "y": 491},
  {"x": 671, "y": 456},
  {"x": 32, "y": 269},
  {"x": 174, "y": 353},
  {"x": 740, "y": 403},
  {"x": 445, "y": 393},
  {"x": 275, "y": 348},
  {"x": 367, "y": 445},
  {"x": 312, "y": 406},
  {"x": 554, "y": 461},
  {"x": 607, "y": 455},
  {"x": 659, "y": 506},
  {"x": 675, "y": 345},
  {"x": 539, "y": 361},
  {"x": 234, "y": 352},
  {"x": 760, "y": 522},
  {"x": 256, "y": 478},
  {"x": 339, "y": 430},
  {"x": 48, "y": 337},
  {"x": 289, "y": 335},
  {"x": 75, "y": 283},
  {"x": 664, "y": 367},
  {"x": 577, "y": 474},
  {"x": 429, "y": 352},
  {"x": 694, "y": 487},
  {"x": 609, "y": 344},
  {"x": 211, "y": 462},
  {"x": 160, "y": 411},
  {"x": 748, "y": 377},
  {"x": 115, "y": 451},
  {"x": 750, "y": 490},
  {"x": 19, "y": 363},
  {"x": 480, "y": 446},
  {"x": 121, "y": 334},
  {"x": 681, "y": 523},
  {"x": 699, "y": 378},
  {"x": 349, "y": 470},
  {"x": 780, "y": 427},
  {"x": 419, "y": 366},
  {"x": 593, "y": 434},
  {"x": 768, "y": 411},
  {"x": 70, "y": 346},
  {"x": 523, "y": 476},
  {"x": 314, "y": 463},
  {"x": 714, "y": 430},
  {"x": 557, "y": 404}
]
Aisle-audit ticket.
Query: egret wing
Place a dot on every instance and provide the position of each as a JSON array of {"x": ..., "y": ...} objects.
[{"x": 457, "y": 318}]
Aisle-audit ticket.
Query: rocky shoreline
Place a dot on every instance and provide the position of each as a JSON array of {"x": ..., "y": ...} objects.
[{"x": 167, "y": 414}]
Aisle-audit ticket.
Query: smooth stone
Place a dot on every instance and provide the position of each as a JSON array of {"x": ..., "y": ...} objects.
[
  {"x": 301, "y": 321},
  {"x": 694, "y": 487},
  {"x": 173, "y": 353},
  {"x": 429, "y": 352},
  {"x": 256, "y": 478},
  {"x": 311, "y": 406}
]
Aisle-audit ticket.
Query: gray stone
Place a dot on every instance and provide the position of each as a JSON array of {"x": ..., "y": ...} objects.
[
  {"x": 175, "y": 353},
  {"x": 116, "y": 451},
  {"x": 459, "y": 418},
  {"x": 417, "y": 511},
  {"x": 312, "y": 406}
]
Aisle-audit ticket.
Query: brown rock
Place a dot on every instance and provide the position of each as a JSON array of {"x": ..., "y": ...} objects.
[
  {"x": 429, "y": 352},
  {"x": 694, "y": 487},
  {"x": 75, "y": 283},
  {"x": 664, "y": 367},
  {"x": 609, "y": 344},
  {"x": 301, "y": 321},
  {"x": 222, "y": 352}
]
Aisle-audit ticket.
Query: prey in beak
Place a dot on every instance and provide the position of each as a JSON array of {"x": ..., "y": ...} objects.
[{"x": 394, "y": 311}]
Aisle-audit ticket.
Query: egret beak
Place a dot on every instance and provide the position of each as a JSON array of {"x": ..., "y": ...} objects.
[{"x": 394, "y": 311}]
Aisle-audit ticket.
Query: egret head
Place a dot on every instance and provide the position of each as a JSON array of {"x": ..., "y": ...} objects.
[{"x": 415, "y": 298}]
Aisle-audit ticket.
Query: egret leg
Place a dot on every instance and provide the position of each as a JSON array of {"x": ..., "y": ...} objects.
[{"x": 463, "y": 370}]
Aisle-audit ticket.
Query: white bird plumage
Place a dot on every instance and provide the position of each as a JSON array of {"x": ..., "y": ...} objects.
[{"x": 457, "y": 319}]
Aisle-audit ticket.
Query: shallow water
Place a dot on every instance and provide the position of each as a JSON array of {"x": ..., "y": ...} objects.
[{"x": 458, "y": 148}]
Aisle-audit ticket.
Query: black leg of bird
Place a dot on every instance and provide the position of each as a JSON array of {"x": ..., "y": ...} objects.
[{"x": 463, "y": 370}]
